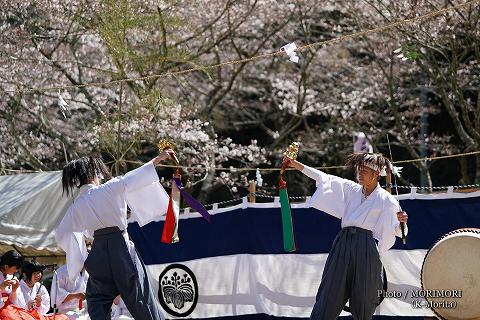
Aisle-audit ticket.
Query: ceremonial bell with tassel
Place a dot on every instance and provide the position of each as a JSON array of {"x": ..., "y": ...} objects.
[
  {"x": 287, "y": 222},
  {"x": 170, "y": 228}
]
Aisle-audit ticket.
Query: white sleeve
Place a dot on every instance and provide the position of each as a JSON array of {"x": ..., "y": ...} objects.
[
  {"x": 398, "y": 229},
  {"x": 388, "y": 225},
  {"x": 148, "y": 203},
  {"x": 45, "y": 305},
  {"x": 72, "y": 242},
  {"x": 58, "y": 292},
  {"x": 143, "y": 193},
  {"x": 19, "y": 300},
  {"x": 133, "y": 180},
  {"x": 331, "y": 193},
  {"x": 1, "y": 300},
  {"x": 140, "y": 177}
]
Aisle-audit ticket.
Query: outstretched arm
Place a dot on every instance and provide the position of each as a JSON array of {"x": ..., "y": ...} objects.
[
  {"x": 295, "y": 164},
  {"x": 319, "y": 176},
  {"x": 144, "y": 194},
  {"x": 167, "y": 153},
  {"x": 332, "y": 191},
  {"x": 306, "y": 170}
]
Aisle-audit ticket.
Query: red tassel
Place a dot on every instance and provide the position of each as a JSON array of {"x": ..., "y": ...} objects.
[
  {"x": 80, "y": 304},
  {"x": 169, "y": 226},
  {"x": 282, "y": 184}
]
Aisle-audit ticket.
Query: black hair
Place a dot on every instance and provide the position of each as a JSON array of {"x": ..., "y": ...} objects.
[
  {"x": 11, "y": 258},
  {"x": 376, "y": 160},
  {"x": 82, "y": 171},
  {"x": 29, "y": 267}
]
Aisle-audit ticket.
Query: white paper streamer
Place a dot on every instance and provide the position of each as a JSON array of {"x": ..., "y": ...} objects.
[
  {"x": 290, "y": 51},
  {"x": 63, "y": 106},
  {"x": 259, "y": 178}
]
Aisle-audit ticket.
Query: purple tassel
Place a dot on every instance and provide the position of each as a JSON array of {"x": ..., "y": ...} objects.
[{"x": 192, "y": 202}]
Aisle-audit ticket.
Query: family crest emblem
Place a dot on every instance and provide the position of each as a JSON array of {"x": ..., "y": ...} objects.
[{"x": 178, "y": 290}]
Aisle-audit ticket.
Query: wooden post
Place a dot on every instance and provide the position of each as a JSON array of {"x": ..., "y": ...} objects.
[{"x": 252, "y": 188}]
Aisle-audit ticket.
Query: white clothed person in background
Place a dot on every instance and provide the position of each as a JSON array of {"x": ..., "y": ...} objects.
[
  {"x": 35, "y": 295},
  {"x": 10, "y": 262},
  {"x": 67, "y": 293}
]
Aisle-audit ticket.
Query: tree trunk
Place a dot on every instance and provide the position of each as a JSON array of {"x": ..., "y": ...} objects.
[
  {"x": 464, "y": 170},
  {"x": 477, "y": 169},
  {"x": 207, "y": 183}
]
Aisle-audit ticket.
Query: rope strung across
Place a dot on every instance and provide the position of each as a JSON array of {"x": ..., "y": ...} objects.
[
  {"x": 233, "y": 169},
  {"x": 358, "y": 34}
]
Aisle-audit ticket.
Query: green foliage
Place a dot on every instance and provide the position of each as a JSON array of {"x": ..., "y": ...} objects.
[
  {"x": 137, "y": 38},
  {"x": 407, "y": 52}
]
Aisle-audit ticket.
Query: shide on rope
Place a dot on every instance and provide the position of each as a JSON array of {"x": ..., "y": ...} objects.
[
  {"x": 170, "y": 228},
  {"x": 287, "y": 221}
]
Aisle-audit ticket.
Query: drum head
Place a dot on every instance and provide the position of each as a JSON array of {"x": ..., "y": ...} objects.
[{"x": 451, "y": 275}]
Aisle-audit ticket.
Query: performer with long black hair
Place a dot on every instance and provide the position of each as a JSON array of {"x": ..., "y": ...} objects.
[
  {"x": 100, "y": 210},
  {"x": 371, "y": 219}
]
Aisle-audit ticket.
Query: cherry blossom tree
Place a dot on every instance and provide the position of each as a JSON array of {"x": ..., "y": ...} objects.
[{"x": 244, "y": 114}]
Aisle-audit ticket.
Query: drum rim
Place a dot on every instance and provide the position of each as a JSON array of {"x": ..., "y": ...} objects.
[{"x": 456, "y": 231}]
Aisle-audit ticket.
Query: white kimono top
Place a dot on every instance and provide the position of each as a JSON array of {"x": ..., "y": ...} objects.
[
  {"x": 342, "y": 198},
  {"x": 18, "y": 301},
  {"x": 105, "y": 205},
  {"x": 62, "y": 286},
  {"x": 29, "y": 294}
]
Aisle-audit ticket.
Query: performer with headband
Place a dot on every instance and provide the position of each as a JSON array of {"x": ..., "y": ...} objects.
[
  {"x": 370, "y": 221},
  {"x": 101, "y": 210}
]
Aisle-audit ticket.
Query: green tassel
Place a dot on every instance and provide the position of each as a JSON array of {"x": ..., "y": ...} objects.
[{"x": 287, "y": 223}]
